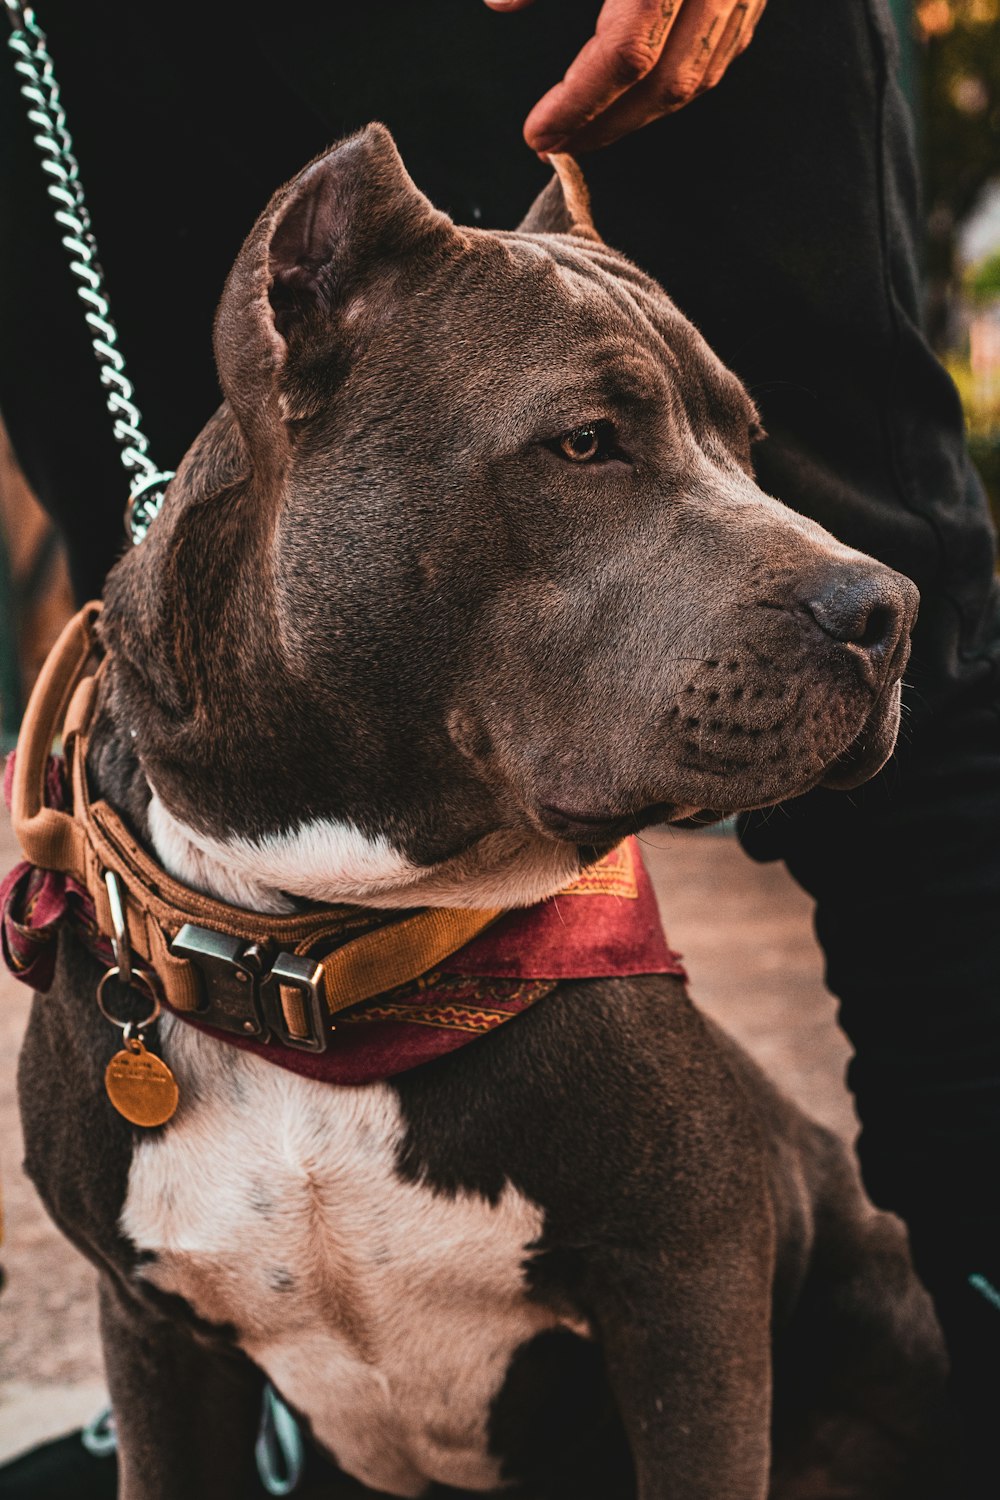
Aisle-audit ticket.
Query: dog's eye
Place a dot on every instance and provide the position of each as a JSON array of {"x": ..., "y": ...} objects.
[{"x": 594, "y": 442}]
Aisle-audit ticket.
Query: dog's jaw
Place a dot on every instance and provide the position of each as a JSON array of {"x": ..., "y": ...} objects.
[{"x": 324, "y": 859}]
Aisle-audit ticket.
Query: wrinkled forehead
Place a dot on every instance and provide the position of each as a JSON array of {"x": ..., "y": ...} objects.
[
  {"x": 587, "y": 277},
  {"x": 579, "y": 318},
  {"x": 550, "y": 318}
]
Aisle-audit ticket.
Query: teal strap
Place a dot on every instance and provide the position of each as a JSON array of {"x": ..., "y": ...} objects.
[{"x": 280, "y": 1451}]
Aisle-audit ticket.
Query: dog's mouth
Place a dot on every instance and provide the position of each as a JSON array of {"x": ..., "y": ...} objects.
[
  {"x": 872, "y": 746},
  {"x": 600, "y": 828}
]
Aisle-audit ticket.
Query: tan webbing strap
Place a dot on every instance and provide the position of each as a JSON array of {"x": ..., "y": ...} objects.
[
  {"x": 396, "y": 955},
  {"x": 366, "y": 966},
  {"x": 181, "y": 984}
]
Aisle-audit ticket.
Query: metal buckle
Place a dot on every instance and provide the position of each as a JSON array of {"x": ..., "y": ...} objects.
[
  {"x": 230, "y": 972},
  {"x": 240, "y": 993},
  {"x": 290, "y": 971}
]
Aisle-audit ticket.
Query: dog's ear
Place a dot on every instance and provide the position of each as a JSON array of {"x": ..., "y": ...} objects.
[
  {"x": 564, "y": 206},
  {"x": 319, "y": 239}
]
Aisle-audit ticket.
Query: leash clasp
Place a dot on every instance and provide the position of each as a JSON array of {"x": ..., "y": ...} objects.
[
  {"x": 120, "y": 945},
  {"x": 121, "y": 970}
]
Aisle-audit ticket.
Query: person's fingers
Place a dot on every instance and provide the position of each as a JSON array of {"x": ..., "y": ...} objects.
[
  {"x": 679, "y": 76},
  {"x": 625, "y": 47},
  {"x": 690, "y": 48},
  {"x": 735, "y": 39},
  {"x": 726, "y": 45},
  {"x": 509, "y": 4}
]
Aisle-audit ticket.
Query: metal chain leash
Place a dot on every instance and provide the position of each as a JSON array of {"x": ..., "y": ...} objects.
[{"x": 40, "y": 91}]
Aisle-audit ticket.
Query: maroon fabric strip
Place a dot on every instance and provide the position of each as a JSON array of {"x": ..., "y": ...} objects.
[{"x": 607, "y": 923}]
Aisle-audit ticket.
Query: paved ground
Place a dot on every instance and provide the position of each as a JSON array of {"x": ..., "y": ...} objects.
[{"x": 746, "y": 934}]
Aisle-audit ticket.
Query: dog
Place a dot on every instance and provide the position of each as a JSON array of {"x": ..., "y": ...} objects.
[{"x": 469, "y": 578}]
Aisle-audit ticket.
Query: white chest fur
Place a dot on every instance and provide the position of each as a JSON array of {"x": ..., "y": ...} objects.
[{"x": 384, "y": 1311}]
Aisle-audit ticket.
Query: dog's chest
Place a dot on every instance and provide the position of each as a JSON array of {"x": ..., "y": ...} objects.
[{"x": 385, "y": 1312}]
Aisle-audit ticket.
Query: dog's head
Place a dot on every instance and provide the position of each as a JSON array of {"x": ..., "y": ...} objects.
[{"x": 470, "y": 573}]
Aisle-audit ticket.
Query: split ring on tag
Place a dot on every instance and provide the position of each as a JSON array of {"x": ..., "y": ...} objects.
[
  {"x": 135, "y": 980},
  {"x": 139, "y": 1084}
]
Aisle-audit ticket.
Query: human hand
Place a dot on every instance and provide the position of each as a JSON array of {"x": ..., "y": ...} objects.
[{"x": 646, "y": 58}]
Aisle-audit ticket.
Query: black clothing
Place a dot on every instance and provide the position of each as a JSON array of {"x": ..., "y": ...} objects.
[{"x": 780, "y": 211}]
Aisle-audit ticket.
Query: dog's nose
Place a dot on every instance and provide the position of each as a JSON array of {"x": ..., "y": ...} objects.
[{"x": 863, "y": 605}]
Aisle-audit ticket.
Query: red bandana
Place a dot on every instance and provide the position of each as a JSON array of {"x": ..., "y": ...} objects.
[{"x": 605, "y": 924}]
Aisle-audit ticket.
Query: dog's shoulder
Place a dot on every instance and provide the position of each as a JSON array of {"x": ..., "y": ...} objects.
[{"x": 597, "y": 1103}]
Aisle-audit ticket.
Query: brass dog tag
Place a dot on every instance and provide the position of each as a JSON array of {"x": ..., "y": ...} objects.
[{"x": 140, "y": 1085}]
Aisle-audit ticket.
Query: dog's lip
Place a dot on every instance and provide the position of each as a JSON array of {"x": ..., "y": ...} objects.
[
  {"x": 871, "y": 747},
  {"x": 603, "y": 828}
]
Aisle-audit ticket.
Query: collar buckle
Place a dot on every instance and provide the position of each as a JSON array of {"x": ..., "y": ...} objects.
[
  {"x": 229, "y": 971},
  {"x": 284, "y": 1001},
  {"x": 293, "y": 995}
]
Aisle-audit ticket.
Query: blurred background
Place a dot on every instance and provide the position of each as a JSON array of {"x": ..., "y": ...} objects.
[
  {"x": 952, "y": 70},
  {"x": 745, "y": 929}
]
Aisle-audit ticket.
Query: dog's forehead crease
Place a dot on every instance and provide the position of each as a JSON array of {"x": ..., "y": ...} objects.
[
  {"x": 629, "y": 300},
  {"x": 560, "y": 323},
  {"x": 518, "y": 350}
]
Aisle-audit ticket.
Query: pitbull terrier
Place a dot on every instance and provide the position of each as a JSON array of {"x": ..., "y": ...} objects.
[{"x": 468, "y": 578}]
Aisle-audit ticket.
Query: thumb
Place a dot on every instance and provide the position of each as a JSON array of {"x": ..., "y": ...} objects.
[{"x": 508, "y": 4}]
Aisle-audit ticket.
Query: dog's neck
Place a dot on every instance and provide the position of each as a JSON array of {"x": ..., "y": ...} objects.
[
  {"x": 188, "y": 857},
  {"x": 323, "y": 859},
  {"x": 331, "y": 861}
]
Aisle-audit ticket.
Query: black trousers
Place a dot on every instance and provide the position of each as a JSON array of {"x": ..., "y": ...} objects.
[{"x": 780, "y": 211}]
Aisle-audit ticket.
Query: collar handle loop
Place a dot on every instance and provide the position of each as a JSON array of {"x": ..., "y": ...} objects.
[{"x": 52, "y": 839}]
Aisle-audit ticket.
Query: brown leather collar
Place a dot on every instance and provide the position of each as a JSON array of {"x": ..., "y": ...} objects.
[{"x": 255, "y": 975}]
